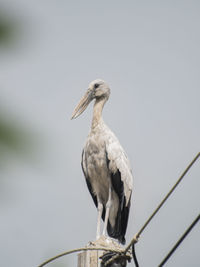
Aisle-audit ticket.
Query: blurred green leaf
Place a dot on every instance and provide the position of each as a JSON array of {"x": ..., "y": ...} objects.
[
  {"x": 6, "y": 31},
  {"x": 11, "y": 137},
  {"x": 16, "y": 141},
  {"x": 10, "y": 30}
]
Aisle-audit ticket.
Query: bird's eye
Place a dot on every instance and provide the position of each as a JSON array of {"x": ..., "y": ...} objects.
[{"x": 96, "y": 85}]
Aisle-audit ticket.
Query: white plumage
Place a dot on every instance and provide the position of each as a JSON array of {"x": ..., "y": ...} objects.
[{"x": 106, "y": 167}]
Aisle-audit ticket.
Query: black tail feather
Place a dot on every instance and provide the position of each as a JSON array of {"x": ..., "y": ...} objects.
[{"x": 119, "y": 229}]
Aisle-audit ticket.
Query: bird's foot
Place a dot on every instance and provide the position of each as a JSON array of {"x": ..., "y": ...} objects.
[
  {"x": 97, "y": 237},
  {"x": 100, "y": 241},
  {"x": 108, "y": 240}
]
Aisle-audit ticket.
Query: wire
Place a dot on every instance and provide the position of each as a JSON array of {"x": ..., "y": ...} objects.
[
  {"x": 77, "y": 250},
  {"x": 134, "y": 256},
  {"x": 179, "y": 241},
  {"x": 135, "y": 238}
]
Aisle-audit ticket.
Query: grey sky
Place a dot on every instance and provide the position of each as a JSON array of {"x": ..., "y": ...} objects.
[{"x": 148, "y": 52}]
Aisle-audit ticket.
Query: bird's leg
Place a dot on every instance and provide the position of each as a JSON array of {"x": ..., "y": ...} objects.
[
  {"x": 108, "y": 205},
  {"x": 100, "y": 210}
]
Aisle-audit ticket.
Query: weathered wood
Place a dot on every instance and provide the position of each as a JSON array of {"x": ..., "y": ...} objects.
[{"x": 90, "y": 258}]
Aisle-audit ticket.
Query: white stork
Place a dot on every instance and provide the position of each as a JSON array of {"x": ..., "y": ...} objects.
[{"x": 106, "y": 167}]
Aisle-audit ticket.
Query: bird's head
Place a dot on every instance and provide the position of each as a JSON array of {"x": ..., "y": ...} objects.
[{"x": 98, "y": 89}]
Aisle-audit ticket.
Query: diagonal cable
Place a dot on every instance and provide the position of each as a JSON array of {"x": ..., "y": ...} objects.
[
  {"x": 135, "y": 238},
  {"x": 179, "y": 241}
]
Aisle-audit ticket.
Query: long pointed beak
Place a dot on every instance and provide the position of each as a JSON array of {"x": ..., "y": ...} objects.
[{"x": 82, "y": 105}]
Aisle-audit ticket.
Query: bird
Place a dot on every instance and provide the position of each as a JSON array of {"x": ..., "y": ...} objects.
[{"x": 106, "y": 167}]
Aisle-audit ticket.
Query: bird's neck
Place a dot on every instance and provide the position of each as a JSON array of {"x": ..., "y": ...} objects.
[{"x": 97, "y": 112}]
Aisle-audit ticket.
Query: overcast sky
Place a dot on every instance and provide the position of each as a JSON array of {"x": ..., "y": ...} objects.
[{"x": 148, "y": 52}]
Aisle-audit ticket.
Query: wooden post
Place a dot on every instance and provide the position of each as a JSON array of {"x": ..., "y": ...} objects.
[{"x": 90, "y": 258}]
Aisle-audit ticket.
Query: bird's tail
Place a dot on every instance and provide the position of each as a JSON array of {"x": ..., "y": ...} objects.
[
  {"x": 116, "y": 231},
  {"x": 119, "y": 229}
]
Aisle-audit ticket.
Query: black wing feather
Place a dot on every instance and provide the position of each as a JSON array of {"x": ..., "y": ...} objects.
[{"x": 119, "y": 229}]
